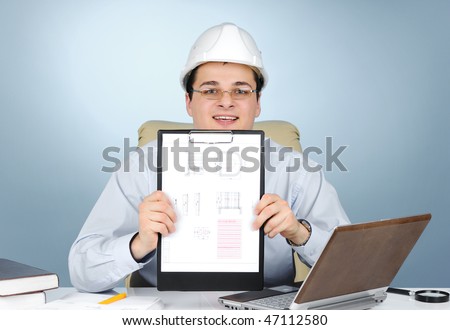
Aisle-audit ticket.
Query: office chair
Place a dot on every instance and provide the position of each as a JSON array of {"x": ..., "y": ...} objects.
[{"x": 282, "y": 132}]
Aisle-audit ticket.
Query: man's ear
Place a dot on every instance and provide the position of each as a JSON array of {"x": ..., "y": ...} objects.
[
  {"x": 187, "y": 100},
  {"x": 258, "y": 109}
]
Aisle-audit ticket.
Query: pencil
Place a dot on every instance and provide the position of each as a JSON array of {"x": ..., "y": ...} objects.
[{"x": 113, "y": 298}]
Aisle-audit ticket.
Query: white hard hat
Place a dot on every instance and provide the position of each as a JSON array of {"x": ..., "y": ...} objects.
[{"x": 224, "y": 43}]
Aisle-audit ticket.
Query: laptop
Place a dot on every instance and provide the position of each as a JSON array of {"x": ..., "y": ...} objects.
[{"x": 353, "y": 271}]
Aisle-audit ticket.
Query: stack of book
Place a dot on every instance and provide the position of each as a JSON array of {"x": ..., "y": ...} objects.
[{"x": 24, "y": 286}]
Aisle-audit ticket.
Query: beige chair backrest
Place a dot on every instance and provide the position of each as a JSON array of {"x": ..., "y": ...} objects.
[{"x": 282, "y": 132}]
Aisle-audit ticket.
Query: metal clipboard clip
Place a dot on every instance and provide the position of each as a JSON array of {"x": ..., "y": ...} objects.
[{"x": 210, "y": 137}]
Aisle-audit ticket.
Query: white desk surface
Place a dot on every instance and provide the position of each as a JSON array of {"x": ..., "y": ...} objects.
[{"x": 175, "y": 300}]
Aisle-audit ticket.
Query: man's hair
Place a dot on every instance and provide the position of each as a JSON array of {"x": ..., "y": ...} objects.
[{"x": 193, "y": 74}]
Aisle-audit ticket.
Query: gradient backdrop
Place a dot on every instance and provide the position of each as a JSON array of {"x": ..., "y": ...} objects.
[{"x": 79, "y": 76}]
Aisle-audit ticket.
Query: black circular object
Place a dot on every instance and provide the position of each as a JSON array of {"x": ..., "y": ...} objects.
[{"x": 432, "y": 296}]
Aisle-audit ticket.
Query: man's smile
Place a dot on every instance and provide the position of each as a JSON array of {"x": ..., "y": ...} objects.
[{"x": 226, "y": 118}]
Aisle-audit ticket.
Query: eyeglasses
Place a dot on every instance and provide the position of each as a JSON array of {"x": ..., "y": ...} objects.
[{"x": 217, "y": 94}]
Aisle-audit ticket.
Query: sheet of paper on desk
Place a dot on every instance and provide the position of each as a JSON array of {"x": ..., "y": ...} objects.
[{"x": 78, "y": 300}]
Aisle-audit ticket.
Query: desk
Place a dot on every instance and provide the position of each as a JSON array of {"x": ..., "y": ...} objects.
[
  {"x": 208, "y": 300},
  {"x": 181, "y": 309}
]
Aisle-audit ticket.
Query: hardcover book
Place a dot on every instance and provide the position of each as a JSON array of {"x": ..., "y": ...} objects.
[
  {"x": 25, "y": 300},
  {"x": 19, "y": 278}
]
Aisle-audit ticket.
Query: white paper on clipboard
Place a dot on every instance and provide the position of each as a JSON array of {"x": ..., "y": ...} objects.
[{"x": 214, "y": 181}]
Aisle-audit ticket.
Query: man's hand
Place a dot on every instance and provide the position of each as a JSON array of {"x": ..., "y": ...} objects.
[
  {"x": 156, "y": 215},
  {"x": 276, "y": 216}
]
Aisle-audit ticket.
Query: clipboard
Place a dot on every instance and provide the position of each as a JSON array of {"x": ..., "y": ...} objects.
[{"x": 214, "y": 180}]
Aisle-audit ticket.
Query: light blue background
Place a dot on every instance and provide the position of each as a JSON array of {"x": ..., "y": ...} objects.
[{"x": 79, "y": 76}]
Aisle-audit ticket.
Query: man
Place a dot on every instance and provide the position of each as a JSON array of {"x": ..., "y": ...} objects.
[{"x": 223, "y": 79}]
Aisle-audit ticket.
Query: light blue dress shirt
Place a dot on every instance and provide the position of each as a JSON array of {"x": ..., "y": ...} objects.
[{"x": 100, "y": 257}]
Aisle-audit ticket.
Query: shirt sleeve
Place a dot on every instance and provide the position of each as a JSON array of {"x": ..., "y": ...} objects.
[
  {"x": 100, "y": 258},
  {"x": 310, "y": 196},
  {"x": 317, "y": 202}
]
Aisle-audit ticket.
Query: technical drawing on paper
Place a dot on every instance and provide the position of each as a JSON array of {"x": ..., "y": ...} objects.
[
  {"x": 188, "y": 204},
  {"x": 202, "y": 233},
  {"x": 228, "y": 201},
  {"x": 229, "y": 239}
]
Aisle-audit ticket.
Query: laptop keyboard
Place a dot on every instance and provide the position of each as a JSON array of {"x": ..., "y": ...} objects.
[{"x": 282, "y": 301}]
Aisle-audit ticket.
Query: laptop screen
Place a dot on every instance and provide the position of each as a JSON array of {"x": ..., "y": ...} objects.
[{"x": 362, "y": 257}]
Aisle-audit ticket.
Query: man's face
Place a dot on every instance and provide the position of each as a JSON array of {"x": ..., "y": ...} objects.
[{"x": 226, "y": 112}]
